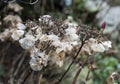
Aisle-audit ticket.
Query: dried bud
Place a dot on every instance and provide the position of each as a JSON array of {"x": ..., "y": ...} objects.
[
  {"x": 93, "y": 67},
  {"x": 103, "y": 25}
]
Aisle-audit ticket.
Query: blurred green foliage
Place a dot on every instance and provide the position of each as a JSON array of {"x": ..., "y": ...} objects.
[{"x": 106, "y": 65}]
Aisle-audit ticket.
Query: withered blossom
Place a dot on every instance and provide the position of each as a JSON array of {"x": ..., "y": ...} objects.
[
  {"x": 14, "y": 6},
  {"x": 52, "y": 39}
]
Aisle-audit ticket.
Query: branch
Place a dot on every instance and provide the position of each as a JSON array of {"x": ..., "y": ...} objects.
[
  {"x": 77, "y": 74},
  {"x": 79, "y": 70},
  {"x": 71, "y": 63}
]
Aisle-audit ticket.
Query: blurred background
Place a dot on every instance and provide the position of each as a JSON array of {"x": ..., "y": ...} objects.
[{"x": 90, "y": 12}]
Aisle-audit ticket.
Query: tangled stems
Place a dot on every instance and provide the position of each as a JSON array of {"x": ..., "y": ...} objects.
[
  {"x": 77, "y": 74},
  {"x": 71, "y": 62},
  {"x": 79, "y": 70}
]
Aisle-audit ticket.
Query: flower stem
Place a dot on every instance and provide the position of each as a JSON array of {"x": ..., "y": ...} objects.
[{"x": 70, "y": 63}]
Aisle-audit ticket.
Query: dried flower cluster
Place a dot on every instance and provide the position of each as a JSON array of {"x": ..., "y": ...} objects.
[
  {"x": 14, "y": 6},
  {"x": 52, "y": 39},
  {"x": 114, "y": 78}
]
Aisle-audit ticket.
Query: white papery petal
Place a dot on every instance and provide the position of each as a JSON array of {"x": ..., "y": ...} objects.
[
  {"x": 60, "y": 63},
  {"x": 53, "y": 37},
  {"x": 21, "y": 26},
  {"x": 34, "y": 65},
  {"x": 74, "y": 37},
  {"x": 107, "y": 44},
  {"x": 26, "y": 43},
  {"x": 17, "y": 34},
  {"x": 97, "y": 48},
  {"x": 70, "y": 31}
]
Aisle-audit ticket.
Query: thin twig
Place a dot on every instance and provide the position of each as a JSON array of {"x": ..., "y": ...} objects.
[
  {"x": 14, "y": 63},
  {"x": 20, "y": 63},
  {"x": 87, "y": 77},
  {"x": 30, "y": 80},
  {"x": 23, "y": 73},
  {"x": 77, "y": 74},
  {"x": 40, "y": 77},
  {"x": 27, "y": 76},
  {"x": 79, "y": 70},
  {"x": 4, "y": 54}
]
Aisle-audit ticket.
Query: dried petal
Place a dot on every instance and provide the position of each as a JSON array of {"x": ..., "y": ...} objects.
[{"x": 17, "y": 34}]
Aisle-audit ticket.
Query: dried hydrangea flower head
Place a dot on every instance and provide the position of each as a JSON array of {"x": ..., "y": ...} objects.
[
  {"x": 51, "y": 39},
  {"x": 14, "y": 6},
  {"x": 5, "y": 35},
  {"x": 12, "y": 19},
  {"x": 114, "y": 78},
  {"x": 38, "y": 60}
]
